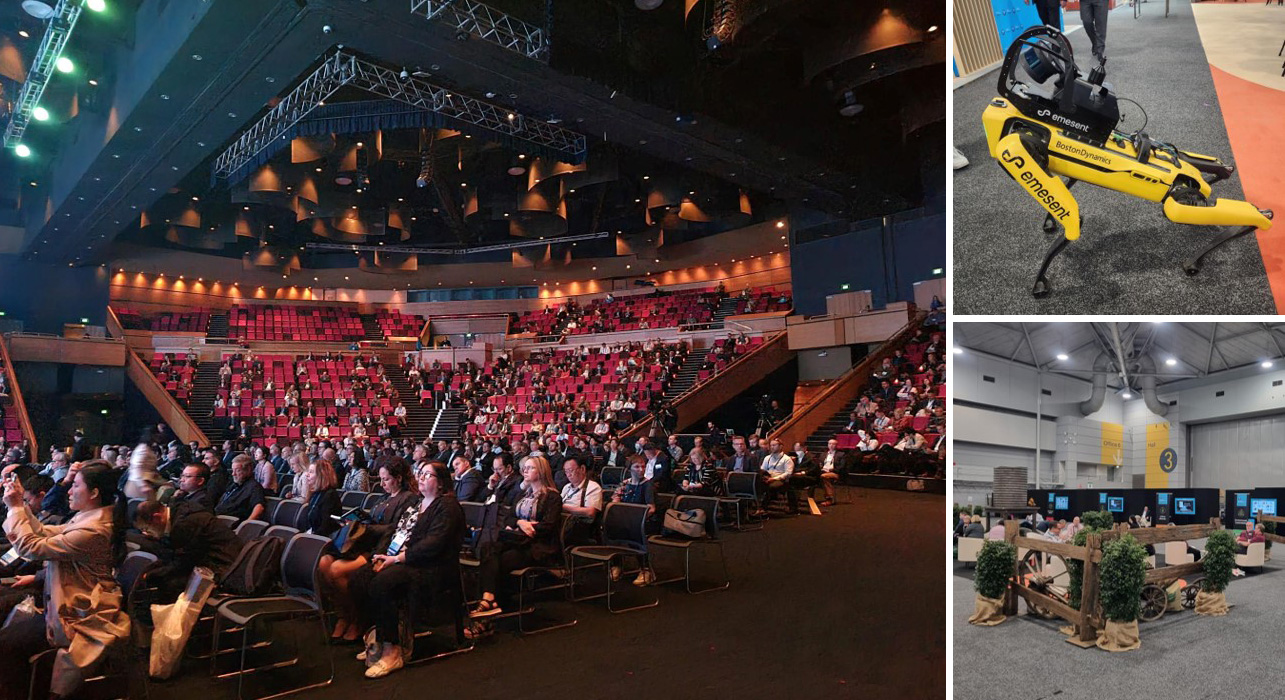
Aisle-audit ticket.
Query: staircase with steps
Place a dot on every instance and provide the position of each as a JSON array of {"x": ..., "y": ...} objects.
[
  {"x": 205, "y": 386},
  {"x": 450, "y": 424},
  {"x": 686, "y": 374},
  {"x": 218, "y": 328},
  {"x": 726, "y": 308},
  {"x": 817, "y": 440},
  {"x": 371, "y": 326},
  {"x": 419, "y": 418}
]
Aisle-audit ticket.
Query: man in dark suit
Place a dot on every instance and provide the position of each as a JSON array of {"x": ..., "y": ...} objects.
[
  {"x": 834, "y": 464},
  {"x": 469, "y": 483},
  {"x": 616, "y": 455},
  {"x": 193, "y": 490},
  {"x": 660, "y": 468},
  {"x": 741, "y": 460},
  {"x": 183, "y": 539}
]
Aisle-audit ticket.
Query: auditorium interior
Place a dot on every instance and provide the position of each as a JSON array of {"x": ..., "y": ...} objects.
[
  {"x": 424, "y": 233},
  {"x": 1172, "y": 429}
]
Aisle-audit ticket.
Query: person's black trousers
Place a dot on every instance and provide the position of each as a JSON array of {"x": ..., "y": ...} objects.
[
  {"x": 18, "y": 643},
  {"x": 1050, "y": 13},
  {"x": 1093, "y": 14}
]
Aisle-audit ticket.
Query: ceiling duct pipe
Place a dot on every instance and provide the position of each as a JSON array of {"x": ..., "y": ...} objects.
[
  {"x": 1101, "y": 366},
  {"x": 1147, "y": 385}
]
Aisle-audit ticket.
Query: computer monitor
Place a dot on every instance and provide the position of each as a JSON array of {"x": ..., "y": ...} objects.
[
  {"x": 1115, "y": 504},
  {"x": 1262, "y": 506},
  {"x": 1063, "y": 503},
  {"x": 1184, "y": 506}
]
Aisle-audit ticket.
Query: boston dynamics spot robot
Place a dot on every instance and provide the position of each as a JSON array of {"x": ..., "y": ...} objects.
[{"x": 1052, "y": 121}]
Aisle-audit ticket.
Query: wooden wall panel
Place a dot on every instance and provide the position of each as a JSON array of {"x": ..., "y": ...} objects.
[{"x": 976, "y": 37}]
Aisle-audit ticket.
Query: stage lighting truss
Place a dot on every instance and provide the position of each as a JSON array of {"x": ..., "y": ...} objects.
[
  {"x": 347, "y": 69},
  {"x": 348, "y": 247},
  {"x": 487, "y": 24},
  {"x": 52, "y": 44}
]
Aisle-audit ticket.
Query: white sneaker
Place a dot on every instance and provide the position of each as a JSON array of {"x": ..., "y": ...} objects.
[
  {"x": 387, "y": 663},
  {"x": 961, "y": 160}
]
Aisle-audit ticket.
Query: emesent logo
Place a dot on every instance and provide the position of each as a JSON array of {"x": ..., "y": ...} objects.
[
  {"x": 1044, "y": 113},
  {"x": 1041, "y": 192},
  {"x": 1016, "y": 160}
]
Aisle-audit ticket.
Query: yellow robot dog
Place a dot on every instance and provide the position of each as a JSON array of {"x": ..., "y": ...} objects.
[{"x": 1051, "y": 121}]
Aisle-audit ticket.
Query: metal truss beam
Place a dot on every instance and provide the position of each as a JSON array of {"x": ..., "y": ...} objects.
[
  {"x": 349, "y": 247},
  {"x": 347, "y": 69},
  {"x": 42, "y": 69},
  {"x": 487, "y": 24}
]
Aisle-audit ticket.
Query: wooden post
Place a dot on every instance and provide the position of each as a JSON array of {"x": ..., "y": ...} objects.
[
  {"x": 1011, "y": 530},
  {"x": 1089, "y": 590}
]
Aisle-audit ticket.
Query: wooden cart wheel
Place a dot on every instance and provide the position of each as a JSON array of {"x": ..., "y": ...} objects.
[
  {"x": 1189, "y": 595},
  {"x": 1154, "y": 602}
]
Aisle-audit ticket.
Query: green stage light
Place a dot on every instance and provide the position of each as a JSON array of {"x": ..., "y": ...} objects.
[
  {"x": 22, "y": 150},
  {"x": 64, "y": 64},
  {"x": 41, "y": 114},
  {"x": 96, "y": 5}
]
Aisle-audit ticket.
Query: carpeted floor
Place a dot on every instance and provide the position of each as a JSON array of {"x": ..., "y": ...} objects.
[
  {"x": 846, "y": 605},
  {"x": 1129, "y": 257},
  {"x": 1183, "y": 656}
]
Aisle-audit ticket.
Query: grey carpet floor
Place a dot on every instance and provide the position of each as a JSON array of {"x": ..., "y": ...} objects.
[
  {"x": 1183, "y": 656},
  {"x": 848, "y": 605},
  {"x": 1129, "y": 256}
]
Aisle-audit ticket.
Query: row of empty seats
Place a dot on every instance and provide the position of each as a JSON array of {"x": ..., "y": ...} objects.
[
  {"x": 395, "y": 324},
  {"x": 322, "y": 324},
  {"x": 191, "y": 321}
]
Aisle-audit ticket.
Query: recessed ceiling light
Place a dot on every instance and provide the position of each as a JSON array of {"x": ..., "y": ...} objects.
[
  {"x": 1267, "y": 364},
  {"x": 23, "y": 33},
  {"x": 957, "y": 351},
  {"x": 1063, "y": 356},
  {"x": 1171, "y": 362}
]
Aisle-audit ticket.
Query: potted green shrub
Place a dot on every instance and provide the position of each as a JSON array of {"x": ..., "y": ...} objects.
[
  {"x": 995, "y": 565},
  {"x": 1098, "y": 520},
  {"x": 1217, "y": 562},
  {"x": 1124, "y": 572}
]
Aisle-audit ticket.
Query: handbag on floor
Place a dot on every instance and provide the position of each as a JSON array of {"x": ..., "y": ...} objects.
[{"x": 688, "y": 523}]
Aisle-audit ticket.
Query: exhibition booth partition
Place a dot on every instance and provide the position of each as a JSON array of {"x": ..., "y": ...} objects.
[{"x": 1164, "y": 506}]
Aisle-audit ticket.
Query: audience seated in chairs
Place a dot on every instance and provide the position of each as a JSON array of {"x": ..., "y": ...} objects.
[
  {"x": 505, "y": 484},
  {"x": 834, "y": 465},
  {"x": 338, "y": 568},
  {"x": 420, "y": 560},
  {"x": 777, "y": 467},
  {"x": 84, "y": 614},
  {"x": 182, "y": 538},
  {"x": 243, "y": 498},
  {"x": 193, "y": 493},
  {"x": 581, "y": 499},
  {"x": 700, "y": 479},
  {"x": 324, "y": 500},
  {"x": 807, "y": 473},
  {"x": 528, "y": 536},
  {"x": 469, "y": 483}
]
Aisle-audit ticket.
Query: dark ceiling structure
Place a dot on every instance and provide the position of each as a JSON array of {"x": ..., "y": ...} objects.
[{"x": 697, "y": 117}]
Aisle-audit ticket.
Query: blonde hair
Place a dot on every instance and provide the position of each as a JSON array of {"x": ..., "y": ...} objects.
[
  {"x": 326, "y": 478},
  {"x": 299, "y": 467},
  {"x": 977, "y": 519},
  {"x": 544, "y": 474}
]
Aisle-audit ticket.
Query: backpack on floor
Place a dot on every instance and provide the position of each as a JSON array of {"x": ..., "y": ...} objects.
[{"x": 256, "y": 570}]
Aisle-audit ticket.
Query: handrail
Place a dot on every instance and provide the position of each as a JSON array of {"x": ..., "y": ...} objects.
[
  {"x": 114, "y": 327},
  {"x": 15, "y": 392},
  {"x": 698, "y": 386},
  {"x": 844, "y": 382},
  {"x": 172, "y": 413}
]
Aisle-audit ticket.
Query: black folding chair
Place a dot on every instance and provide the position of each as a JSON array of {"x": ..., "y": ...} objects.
[
  {"x": 230, "y": 520},
  {"x": 612, "y": 476},
  {"x": 711, "y": 539},
  {"x": 287, "y": 514},
  {"x": 301, "y": 600},
  {"x": 742, "y": 495},
  {"x": 353, "y": 499},
  {"x": 270, "y": 505},
  {"x": 624, "y": 536}
]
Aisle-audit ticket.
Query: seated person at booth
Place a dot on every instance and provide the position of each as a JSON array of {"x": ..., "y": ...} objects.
[
  {"x": 83, "y": 615},
  {"x": 1252, "y": 533},
  {"x": 182, "y": 539},
  {"x": 420, "y": 561},
  {"x": 974, "y": 527},
  {"x": 337, "y": 569}
]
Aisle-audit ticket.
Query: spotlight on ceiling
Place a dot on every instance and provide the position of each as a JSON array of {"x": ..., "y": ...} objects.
[
  {"x": 22, "y": 150},
  {"x": 848, "y": 105},
  {"x": 1266, "y": 364},
  {"x": 957, "y": 351},
  {"x": 1126, "y": 395},
  {"x": 96, "y": 5},
  {"x": 38, "y": 9},
  {"x": 64, "y": 64},
  {"x": 41, "y": 114},
  {"x": 1063, "y": 356},
  {"x": 1171, "y": 362}
]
